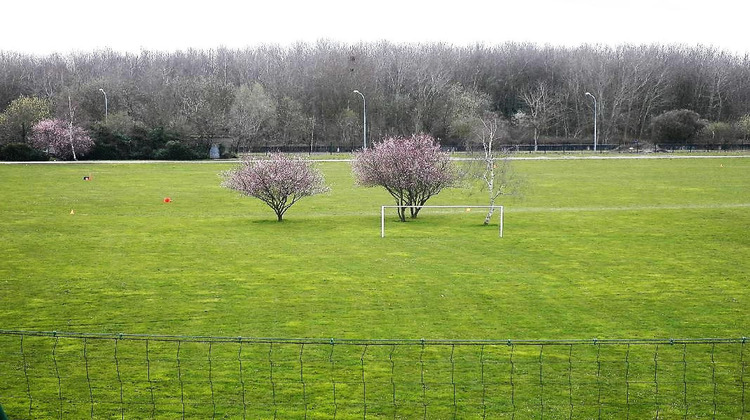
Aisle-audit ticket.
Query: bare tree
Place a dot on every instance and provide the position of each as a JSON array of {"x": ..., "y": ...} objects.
[
  {"x": 251, "y": 111},
  {"x": 205, "y": 105},
  {"x": 543, "y": 107},
  {"x": 411, "y": 87},
  {"x": 496, "y": 174}
]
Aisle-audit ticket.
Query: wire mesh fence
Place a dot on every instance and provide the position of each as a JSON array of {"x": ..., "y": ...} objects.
[{"x": 70, "y": 375}]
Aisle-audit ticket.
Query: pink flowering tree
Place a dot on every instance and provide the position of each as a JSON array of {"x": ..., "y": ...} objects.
[
  {"x": 412, "y": 169},
  {"x": 278, "y": 181},
  {"x": 60, "y": 139}
]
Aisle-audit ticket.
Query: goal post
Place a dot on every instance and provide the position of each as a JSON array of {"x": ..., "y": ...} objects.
[{"x": 501, "y": 215}]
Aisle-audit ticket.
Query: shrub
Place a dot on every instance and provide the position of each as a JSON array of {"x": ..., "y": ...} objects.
[
  {"x": 676, "y": 126},
  {"x": 20, "y": 152},
  {"x": 174, "y": 150},
  {"x": 720, "y": 132}
]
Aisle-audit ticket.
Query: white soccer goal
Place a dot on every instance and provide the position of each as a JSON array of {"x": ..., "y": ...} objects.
[{"x": 500, "y": 216}]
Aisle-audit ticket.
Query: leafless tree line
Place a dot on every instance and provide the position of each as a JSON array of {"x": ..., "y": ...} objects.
[{"x": 302, "y": 95}]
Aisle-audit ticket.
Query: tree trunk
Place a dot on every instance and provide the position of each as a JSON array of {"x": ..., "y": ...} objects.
[
  {"x": 72, "y": 147},
  {"x": 490, "y": 180},
  {"x": 401, "y": 213},
  {"x": 490, "y": 213},
  {"x": 70, "y": 128}
]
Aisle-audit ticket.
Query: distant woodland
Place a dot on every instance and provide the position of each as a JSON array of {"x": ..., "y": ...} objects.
[{"x": 302, "y": 96}]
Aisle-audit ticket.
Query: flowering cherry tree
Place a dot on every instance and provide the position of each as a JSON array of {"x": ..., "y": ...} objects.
[
  {"x": 412, "y": 169},
  {"x": 278, "y": 181},
  {"x": 61, "y": 139}
]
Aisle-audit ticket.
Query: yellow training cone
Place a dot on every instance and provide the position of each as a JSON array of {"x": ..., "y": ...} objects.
[{"x": 72, "y": 212}]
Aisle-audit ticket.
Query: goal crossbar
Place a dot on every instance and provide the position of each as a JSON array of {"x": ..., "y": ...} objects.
[{"x": 500, "y": 216}]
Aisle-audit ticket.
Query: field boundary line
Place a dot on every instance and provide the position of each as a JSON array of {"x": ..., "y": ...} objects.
[
  {"x": 645, "y": 157},
  {"x": 627, "y": 208}
]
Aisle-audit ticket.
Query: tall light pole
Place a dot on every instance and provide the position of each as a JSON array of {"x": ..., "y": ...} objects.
[
  {"x": 364, "y": 119},
  {"x": 592, "y": 97},
  {"x": 106, "y": 105}
]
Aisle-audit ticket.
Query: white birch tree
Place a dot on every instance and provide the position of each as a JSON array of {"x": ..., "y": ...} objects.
[{"x": 495, "y": 171}]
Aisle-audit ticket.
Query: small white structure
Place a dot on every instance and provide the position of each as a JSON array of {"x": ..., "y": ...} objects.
[
  {"x": 214, "y": 153},
  {"x": 501, "y": 216}
]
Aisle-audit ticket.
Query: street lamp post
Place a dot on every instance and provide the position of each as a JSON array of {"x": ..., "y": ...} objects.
[
  {"x": 592, "y": 97},
  {"x": 364, "y": 119},
  {"x": 106, "y": 105}
]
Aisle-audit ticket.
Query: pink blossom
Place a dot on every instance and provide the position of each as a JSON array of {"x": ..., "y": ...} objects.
[
  {"x": 278, "y": 181},
  {"x": 412, "y": 169},
  {"x": 61, "y": 139}
]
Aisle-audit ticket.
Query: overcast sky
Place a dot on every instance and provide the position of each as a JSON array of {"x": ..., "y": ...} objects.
[{"x": 47, "y": 26}]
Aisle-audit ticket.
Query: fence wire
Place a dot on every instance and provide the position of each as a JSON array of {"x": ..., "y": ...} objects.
[{"x": 73, "y": 375}]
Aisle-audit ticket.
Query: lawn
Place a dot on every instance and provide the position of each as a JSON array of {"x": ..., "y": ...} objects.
[{"x": 593, "y": 248}]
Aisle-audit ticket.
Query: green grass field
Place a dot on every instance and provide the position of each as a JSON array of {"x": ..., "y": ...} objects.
[{"x": 594, "y": 248}]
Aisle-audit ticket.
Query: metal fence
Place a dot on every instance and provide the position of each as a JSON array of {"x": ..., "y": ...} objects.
[
  {"x": 544, "y": 147},
  {"x": 71, "y": 375}
]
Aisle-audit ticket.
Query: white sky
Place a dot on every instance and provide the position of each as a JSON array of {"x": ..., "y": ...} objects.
[{"x": 46, "y": 26}]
